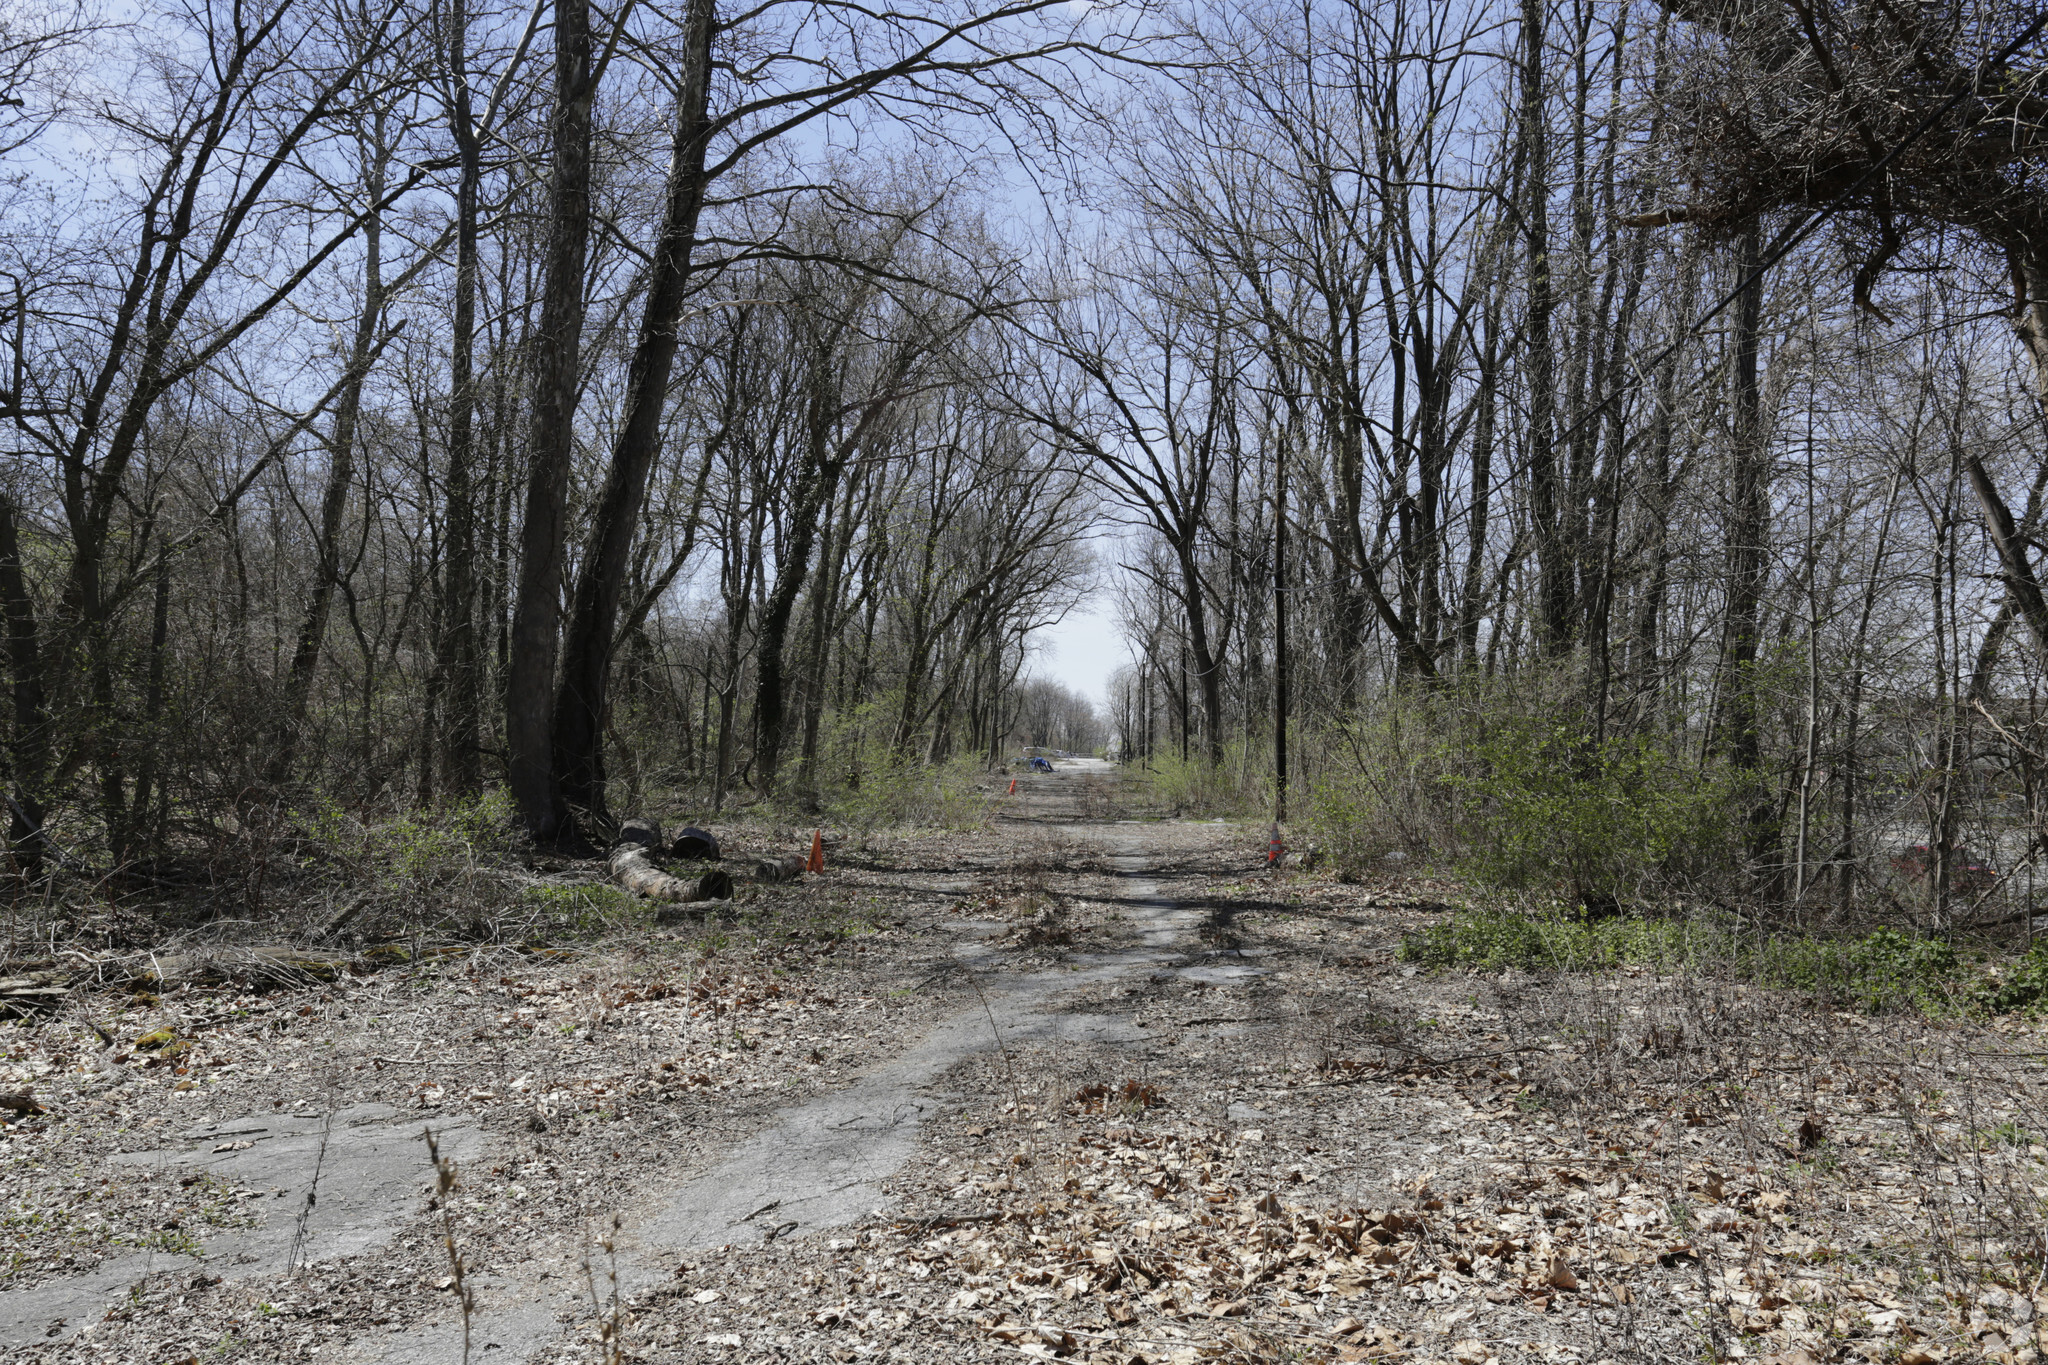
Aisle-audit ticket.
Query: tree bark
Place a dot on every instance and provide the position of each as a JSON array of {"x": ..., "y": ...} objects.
[
  {"x": 1208, "y": 668},
  {"x": 458, "y": 664},
  {"x": 2021, "y": 583},
  {"x": 816, "y": 492},
  {"x": 587, "y": 649},
  {"x": 1553, "y": 560},
  {"x": 29, "y": 744},
  {"x": 1748, "y": 572},
  {"x": 535, "y": 636}
]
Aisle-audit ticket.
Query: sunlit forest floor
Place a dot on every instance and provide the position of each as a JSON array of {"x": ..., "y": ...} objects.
[{"x": 1081, "y": 1084}]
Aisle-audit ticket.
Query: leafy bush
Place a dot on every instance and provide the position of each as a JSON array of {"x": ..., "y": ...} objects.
[
  {"x": 1490, "y": 940},
  {"x": 1880, "y": 971},
  {"x": 1550, "y": 809},
  {"x": 1378, "y": 786},
  {"x": 2023, "y": 987},
  {"x": 1193, "y": 786},
  {"x": 1503, "y": 778},
  {"x": 415, "y": 848},
  {"x": 895, "y": 792}
]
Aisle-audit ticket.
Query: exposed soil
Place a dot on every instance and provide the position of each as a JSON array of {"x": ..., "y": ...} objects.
[{"x": 1072, "y": 1087}]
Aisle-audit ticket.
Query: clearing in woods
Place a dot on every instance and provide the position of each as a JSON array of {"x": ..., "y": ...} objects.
[{"x": 1077, "y": 1086}]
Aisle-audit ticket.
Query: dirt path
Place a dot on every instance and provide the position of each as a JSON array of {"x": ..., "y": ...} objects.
[
  {"x": 1075, "y": 1086},
  {"x": 315, "y": 1194},
  {"x": 827, "y": 1163}
]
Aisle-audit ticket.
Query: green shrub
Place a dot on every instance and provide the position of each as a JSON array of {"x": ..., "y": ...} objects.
[
  {"x": 1881, "y": 971},
  {"x": 1194, "y": 786},
  {"x": 864, "y": 783},
  {"x": 898, "y": 792},
  {"x": 414, "y": 848},
  {"x": 1379, "y": 785},
  {"x": 2023, "y": 987},
  {"x": 1558, "y": 941},
  {"x": 1549, "y": 809},
  {"x": 1503, "y": 778}
]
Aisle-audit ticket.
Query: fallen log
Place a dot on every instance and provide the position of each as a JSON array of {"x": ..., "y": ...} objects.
[
  {"x": 632, "y": 869},
  {"x": 777, "y": 867},
  {"x": 646, "y": 833},
  {"x": 33, "y": 993},
  {"x": 692, "y": 843}
]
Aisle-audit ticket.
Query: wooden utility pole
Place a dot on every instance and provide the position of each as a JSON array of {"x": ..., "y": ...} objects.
[{"x": 1280, "y": 637}]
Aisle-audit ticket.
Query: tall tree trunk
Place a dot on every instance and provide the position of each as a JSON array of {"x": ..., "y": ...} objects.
[
  {"x": 29, "y": 743},
  {"x": 824, "y": 624},
  {"x": 1553, "y": 552},
  {"x": 1748, "y": 511},
  {"x": 593, "y": 619},
  {"x": 817, "y": 491},
  {"x": 1748, "y": 525},
  {"x": 459, "y": 665},
  {"x": 1208, "y": 668},
  {"x": 1472, "y": 592},
  {"x": 1850, "y": 761},
  {"x": 153, "y": 699},
  {"x": 1280, "y": 659},
  {"x": 536, "y": 611}
]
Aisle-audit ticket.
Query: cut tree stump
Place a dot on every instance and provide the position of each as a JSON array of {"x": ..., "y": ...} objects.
[
  {"x": 694, "y": 843},
  {"x": 646, "y": 833},
  {"x": 777, "y": 867}
]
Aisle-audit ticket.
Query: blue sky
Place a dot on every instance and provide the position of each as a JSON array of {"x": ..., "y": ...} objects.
[{"x": 1081, "y": 651}]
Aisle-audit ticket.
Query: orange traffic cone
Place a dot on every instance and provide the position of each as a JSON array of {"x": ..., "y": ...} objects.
[
  {"x": 817, "y": 862},
  {"x": 1273, "y": 848},
  {"x": 1013, "y": 787}
]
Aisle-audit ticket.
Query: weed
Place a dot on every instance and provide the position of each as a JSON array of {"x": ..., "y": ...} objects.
[
  {"x": 579, "y": 909},
  {"x": 445, "y": 1180},
  {"x": 2022, "y": 987},
  {"x": 2007, "y": 1134},
  {"x": 1885, "y": 970}
]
